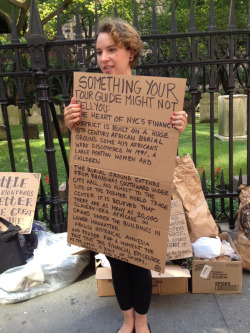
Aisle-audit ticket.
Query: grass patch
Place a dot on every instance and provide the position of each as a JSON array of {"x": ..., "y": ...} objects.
[
  {"x": 221, "y": 151},
  {"x": 39, "y": 158},
  {"x": 38, "y": 155}
]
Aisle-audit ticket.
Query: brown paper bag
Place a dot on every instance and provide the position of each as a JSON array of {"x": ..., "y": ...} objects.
[
  {"x": 243, "y": 246},
  {"x": 244, "y": 210},
  {"x": 187, "y": 184},
  {"x": 242, "y": 241}
]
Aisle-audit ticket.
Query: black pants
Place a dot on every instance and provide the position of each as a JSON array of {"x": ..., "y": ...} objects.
[{"x": 132, "y": 284}]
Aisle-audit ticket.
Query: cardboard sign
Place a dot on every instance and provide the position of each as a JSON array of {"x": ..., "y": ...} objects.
[
  {"x": 121, "y": 166},
  {"x": 18, "y": 195},
  {"x": 179, "y": 245}
]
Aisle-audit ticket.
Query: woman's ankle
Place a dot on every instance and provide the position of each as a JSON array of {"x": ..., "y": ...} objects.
[
  {"x": 128, "y": 321},
  {"x": 141, "y": 323}
]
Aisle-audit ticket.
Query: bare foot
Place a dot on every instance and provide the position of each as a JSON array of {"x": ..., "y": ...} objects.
[
  {"x": 126, "y": 329},
  {"x": 142, "y": 329}
]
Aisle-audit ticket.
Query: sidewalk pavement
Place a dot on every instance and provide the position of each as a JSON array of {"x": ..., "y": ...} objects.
[{"x": 78, "y": 309}]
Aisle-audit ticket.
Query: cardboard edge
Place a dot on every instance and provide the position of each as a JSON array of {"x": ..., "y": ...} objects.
[{"x": 105, "y": 286}]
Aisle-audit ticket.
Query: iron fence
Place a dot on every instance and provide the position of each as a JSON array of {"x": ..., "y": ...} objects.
[{"x": 39, "y": 70}]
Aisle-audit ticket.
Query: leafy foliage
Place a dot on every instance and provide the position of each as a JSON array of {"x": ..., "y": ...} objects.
[
  {"x": 48, "y": 9},
  {"x": 4, "y": 39}
]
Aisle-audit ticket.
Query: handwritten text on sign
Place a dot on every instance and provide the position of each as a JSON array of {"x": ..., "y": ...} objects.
[
  {"x": 18, "y": 195},
  {"x": 179, "y": 245},
  {"x": 122, "y": 162},
  {"x": 99, "y": 93},
  {"x": 119, "y": 214}
]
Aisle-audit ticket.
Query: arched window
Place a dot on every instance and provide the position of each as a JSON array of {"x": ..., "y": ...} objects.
[{"x": 5, "y": 22}]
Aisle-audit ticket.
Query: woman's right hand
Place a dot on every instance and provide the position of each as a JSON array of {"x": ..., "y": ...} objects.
[{"x": 72, "y": 114}]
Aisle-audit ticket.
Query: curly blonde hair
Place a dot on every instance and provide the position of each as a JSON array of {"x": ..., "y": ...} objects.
[{"x": 123, "y": 35}]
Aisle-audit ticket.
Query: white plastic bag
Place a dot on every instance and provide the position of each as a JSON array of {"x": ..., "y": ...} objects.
[
  {"x": 104, "y": 260},
  {"x": 52, "y": 267},
  {"x": 207, "y": 247},
  {"x": 227, "y": 250},
  {"x": 21, "y": 278}
]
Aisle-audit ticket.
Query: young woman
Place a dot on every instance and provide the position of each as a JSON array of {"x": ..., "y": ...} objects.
[{"x": 118, "y": 47}]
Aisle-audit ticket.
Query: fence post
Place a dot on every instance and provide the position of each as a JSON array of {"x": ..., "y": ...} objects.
[{"x": 39, "y": 66}]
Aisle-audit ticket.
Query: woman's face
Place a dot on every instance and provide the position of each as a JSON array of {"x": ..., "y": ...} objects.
[{"x": 111, "y": 58}]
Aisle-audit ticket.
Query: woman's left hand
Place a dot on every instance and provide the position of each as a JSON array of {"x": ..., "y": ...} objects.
[{"x": 179, "y": 120}]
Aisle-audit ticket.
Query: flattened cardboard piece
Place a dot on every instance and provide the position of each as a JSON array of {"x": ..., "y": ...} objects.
[
  {"x": 179, "y": 245},
  {"x": 172, "y": 271},
  {"x": 123, "y": 144},
  {"x": 18, "y": 196},
  {"x": 219, "y": 277}
]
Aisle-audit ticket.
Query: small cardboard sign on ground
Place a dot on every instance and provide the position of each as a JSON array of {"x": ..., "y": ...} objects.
[
  {"x": 18, "y": 195},
  {"x": 179, "y": 245},
  {"x": 122, "y": 162}
]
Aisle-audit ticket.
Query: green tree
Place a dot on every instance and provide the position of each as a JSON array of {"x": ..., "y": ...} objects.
[
  {"x": 47, "y": 11},
  {"x": 182, "y": 14},
  {"x": 105, "y": 8}
]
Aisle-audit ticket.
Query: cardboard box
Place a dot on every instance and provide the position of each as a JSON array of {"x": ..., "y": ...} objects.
[
  {"x": 173, "y": 281},
  {"x": 104, "y": 282},
  {"x": 217, "y": 277}
]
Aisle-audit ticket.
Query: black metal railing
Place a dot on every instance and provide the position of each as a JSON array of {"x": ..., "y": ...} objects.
[{"x": 48, "y": 66}]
